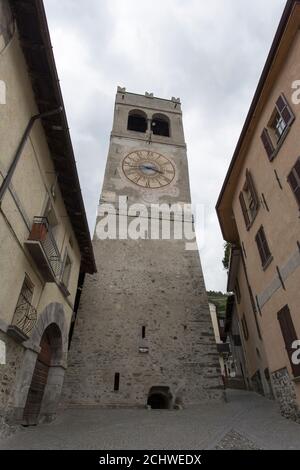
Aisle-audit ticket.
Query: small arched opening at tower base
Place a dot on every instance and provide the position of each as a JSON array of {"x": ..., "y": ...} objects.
[
  {"x": 160, "y": 125},
  {"x": 160, "y": 398},
  {"x": 137, "y": 121},
  {"x": 51, "y": 347}
]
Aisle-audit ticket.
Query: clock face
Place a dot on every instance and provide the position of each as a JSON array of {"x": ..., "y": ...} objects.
[{"x": 148, "y": 169}]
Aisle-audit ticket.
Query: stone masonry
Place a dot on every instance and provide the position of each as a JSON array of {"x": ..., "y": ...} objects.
[
  {"x": 144, "y": 315},
  {"x": 284, "y": 390}
]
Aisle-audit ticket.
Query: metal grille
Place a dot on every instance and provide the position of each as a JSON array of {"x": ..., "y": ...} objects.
[
  {"x": 49, "y": 246},
  {"x": 25, "y": 314}
]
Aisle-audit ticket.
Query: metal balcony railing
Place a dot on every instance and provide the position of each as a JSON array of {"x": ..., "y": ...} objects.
[
  {"x": 49, "y": 246},
  {"x": 42, "y": 246},
  {"x": 25, "y": 315}
]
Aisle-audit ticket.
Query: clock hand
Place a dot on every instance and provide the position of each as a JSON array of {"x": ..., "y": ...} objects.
[
  {"x": 147, "y": 168},
  {"x": 152, "y": 168}
]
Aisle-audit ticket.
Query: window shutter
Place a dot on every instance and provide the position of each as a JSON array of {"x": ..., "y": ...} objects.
[
  {"x": 294, "y": 181},
  {"x": 262, "y": 246},
  {"x": 260, "y": 249},
  {"x": 245, "y": 328},
  {"x": 244, "y": 210},
  {"x": 268, "y": 144},
  {"x": 285, "y": 111},
  {"x": 252, "y": 189},
  {"x": 289, "y": 335}
]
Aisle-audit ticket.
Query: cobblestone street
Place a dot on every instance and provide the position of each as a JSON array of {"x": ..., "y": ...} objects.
[{"x": 246, "y": 421}]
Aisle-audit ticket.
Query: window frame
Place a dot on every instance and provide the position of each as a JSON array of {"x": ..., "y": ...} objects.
[
  {"x": 294, "y": 173},
  {"x": 247, "y": 197},
  {"x": 245, "y": 327},
  {"x": 263, "y": 248},
  {"x": 272, "y": 144},
  {"x": 62, "y": 280}
]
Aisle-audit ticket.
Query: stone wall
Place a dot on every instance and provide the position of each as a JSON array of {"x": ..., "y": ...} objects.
[
  {"x": 285, "y": 394},
  {"x": 148, "y": 283},
  {"x": 8, "y": 371}
]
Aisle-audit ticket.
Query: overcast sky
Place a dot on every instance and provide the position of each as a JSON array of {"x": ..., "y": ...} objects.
[{"x": 208, "y": 53}]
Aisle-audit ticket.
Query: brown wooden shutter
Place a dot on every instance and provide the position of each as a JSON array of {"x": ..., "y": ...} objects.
[
  {"x": 284, "y": 109},
  {"x": 259, "y": 246},
  {"x": 252, "y": 189},
  {"x": 289, "y": 335},
  {"x": 294, "y": 181},
  {"x": 268, "y": 144},
  {"x": 244, "y": 210},
  {"x": 262, "y": 246},
  {"x": 245, "y": 328}
]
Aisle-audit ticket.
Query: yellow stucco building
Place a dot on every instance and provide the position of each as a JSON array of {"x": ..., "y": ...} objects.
[
  {"x": 45, "y": 245},
  {"x": 258, "y": 210}
]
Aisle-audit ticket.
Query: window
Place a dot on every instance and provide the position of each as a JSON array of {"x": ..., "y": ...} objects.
[
  {"x": 263, "y": 247},
  {"x": 25, "y": 314},
  {"x": 237, "y": 340},
  {"x": 294, "y": 181},
  {"x": 137, "y": 121},
  {"x": 276, "y": 131},
  {"x": 7, "y": 27},
  {"x": 26, "y": 295},
  {"x": 117, "y": 382},
  {"x": 237, "y": 292},
  {"x": 249, "y": 201},
  {"x": 245, "y": 328},
  {"x": 66, "y": 271},
  {"x": 143, "y": 332},
  {"x": 289, "y": 335},
  {"x": 49, "y": 213},
  {"x": 160, "y": 125}
]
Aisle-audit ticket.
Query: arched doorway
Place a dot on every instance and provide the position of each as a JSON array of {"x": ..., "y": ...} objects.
[
  {"x": 51, "y": 346},
  {"x": 160, "y": 398}
]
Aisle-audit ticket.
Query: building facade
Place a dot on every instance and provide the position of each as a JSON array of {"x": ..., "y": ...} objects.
[
  {"x": 223, "y": 347},
  {"x": 258, "y": 210},
  {"x": 143, "y": 332},
  {"x": 44, "y": 238}
]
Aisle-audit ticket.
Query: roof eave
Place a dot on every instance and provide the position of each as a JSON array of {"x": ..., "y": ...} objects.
[{"x": 34, "y": 11}]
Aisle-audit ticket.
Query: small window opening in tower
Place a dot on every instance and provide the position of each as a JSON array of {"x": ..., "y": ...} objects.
[
  {"x": 160, "y": 125},
  {"x": 143, "y": 332},
  {"x": 137, "y": 121},
  {"x": 117, "y": 382}
]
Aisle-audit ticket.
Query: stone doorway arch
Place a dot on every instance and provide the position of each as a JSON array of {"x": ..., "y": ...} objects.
[
  {"x": 160, "y": 398},
  {"x": 49, "y": 336}
]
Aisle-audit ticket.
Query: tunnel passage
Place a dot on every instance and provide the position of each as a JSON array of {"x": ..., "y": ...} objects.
[{"x": 160, "y": 398}]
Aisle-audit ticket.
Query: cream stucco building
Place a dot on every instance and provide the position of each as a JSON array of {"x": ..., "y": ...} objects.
[
  {"x": 44, "y": 238},
  {"x": 258, "y": 210}
]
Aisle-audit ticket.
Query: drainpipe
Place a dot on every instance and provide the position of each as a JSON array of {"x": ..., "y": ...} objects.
[{"x": 7, "y": 180}]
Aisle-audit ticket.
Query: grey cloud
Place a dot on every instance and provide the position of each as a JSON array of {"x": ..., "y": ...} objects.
[{"x": 209, "y": 53}]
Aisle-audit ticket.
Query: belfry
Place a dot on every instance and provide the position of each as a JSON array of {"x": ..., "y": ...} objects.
[{"x": 143, "y": 333}]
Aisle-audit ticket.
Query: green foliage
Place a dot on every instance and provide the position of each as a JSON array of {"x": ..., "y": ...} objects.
[
  {"x": 220, "y": 300},
  {"x": 226, "y": 259}
]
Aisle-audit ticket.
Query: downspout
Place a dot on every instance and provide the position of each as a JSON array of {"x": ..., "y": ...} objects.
[{"x": 7, "y": 180}]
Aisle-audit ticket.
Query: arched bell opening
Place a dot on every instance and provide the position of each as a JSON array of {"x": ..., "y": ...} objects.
[{"x": 137, "y": 121}]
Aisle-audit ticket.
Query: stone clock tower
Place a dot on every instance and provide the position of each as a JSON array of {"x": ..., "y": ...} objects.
[{"x": 143, "y": 333}]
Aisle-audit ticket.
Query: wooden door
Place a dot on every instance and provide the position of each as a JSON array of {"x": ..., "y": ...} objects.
[{"x": 38, "y": 383}]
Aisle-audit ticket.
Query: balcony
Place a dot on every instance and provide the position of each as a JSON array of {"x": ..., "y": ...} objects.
[
  {"x": 24, "y": 319},
  {"x": 43, "y": 249}
]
